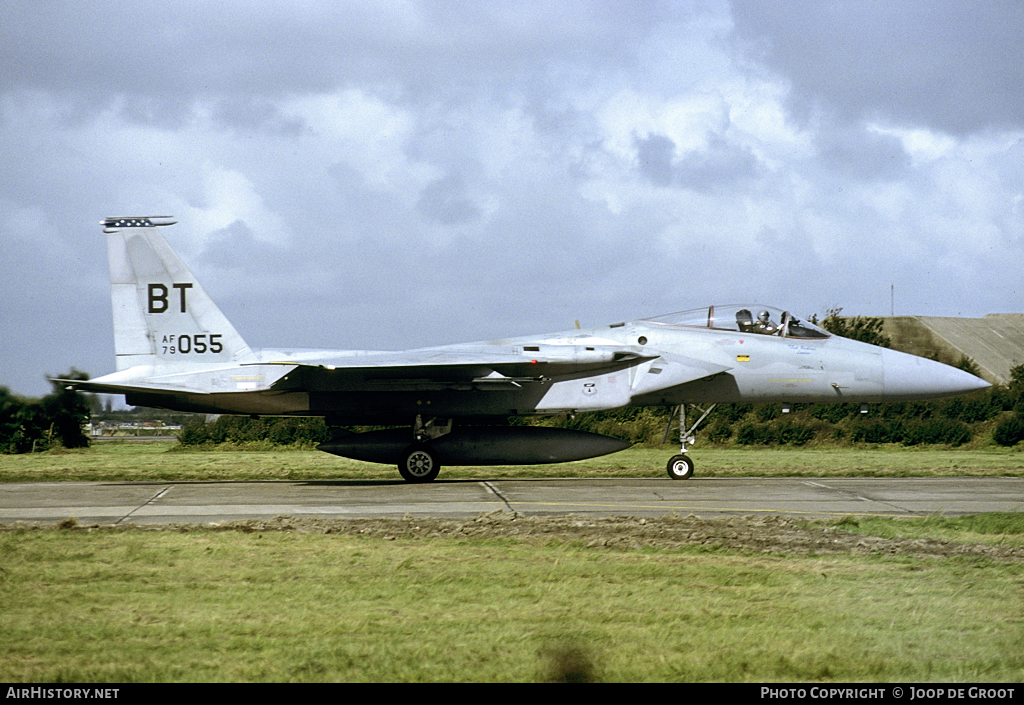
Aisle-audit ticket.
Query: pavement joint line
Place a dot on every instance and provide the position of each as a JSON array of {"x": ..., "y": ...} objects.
[
  {"x": 158, "y": 495},
  {"x": 903, "y": 510},
  {"x": 497, "y": 493},
  {"x": 730, "y": 510}
]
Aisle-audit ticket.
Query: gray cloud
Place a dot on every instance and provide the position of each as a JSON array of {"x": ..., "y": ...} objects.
[
  {"x": 862, "y": 154},
  {"x": 445, "y": 202},
  {"x": 718, "y": 165},
  {"x": 657, "y": 154},
  {"x": 952, "y": 66}
]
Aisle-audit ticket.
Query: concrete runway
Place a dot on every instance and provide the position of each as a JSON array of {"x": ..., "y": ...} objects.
[{"x": 206, "y": 502}]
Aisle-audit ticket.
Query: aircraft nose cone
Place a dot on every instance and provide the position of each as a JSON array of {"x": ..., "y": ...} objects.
[{"x": 913, "y": 377}]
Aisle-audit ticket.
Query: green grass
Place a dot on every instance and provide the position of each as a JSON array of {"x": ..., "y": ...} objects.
[
  {"x": 114, "y": 461},
  {"x": 135, "y": 605},
  {"x": 202, "y": 605},
  {"x": 991, "y": 528}
]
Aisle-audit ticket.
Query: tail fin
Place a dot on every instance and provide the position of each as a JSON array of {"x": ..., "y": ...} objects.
[{"x": 162, "y": 316}]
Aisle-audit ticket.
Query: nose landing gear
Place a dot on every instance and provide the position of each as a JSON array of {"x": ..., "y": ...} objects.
[{"x": 680, "y": 467}]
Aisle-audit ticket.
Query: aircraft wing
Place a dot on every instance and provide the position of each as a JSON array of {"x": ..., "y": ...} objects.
[
  {"x": 483, "y": 367},
  {"x": 460, "y": 366}
]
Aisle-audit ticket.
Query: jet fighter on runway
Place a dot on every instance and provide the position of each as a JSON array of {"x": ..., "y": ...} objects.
[{"x": 175, "y": 350}]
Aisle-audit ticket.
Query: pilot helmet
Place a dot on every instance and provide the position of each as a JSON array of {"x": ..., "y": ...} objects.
[{"x": 763, "y": 316}]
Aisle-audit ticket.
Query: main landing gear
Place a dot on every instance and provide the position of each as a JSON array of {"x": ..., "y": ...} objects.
[
  {"x": 418, "y": 464},
  {"x": 419, "y": 461},
  {"x": 680, "y": 467}
]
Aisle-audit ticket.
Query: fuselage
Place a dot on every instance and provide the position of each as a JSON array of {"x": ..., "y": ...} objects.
[{"x": 671, "y": 363}]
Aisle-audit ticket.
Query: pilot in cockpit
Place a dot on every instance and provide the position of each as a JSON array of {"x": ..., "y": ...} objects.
[{"x": 764, "y": 324}]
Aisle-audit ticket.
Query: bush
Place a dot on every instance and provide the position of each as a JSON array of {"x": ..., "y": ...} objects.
[
  {"x": 876, "y": 430},
  {"x": 242, "y": 430},
  {"x": 193, "y": 434},
  {"x": 865, "y": 328},
  {"x": 794, "y": 432},
  {"x": 1010, "y": 431},
  {"x": 973, "y": 410},
  {"x": 834, "y": 413},
  {"x": 785, "y": 431},
  {"x": 28, "y": 425},
  {"x": 936, "y": 431},
  {"x": 719, "y": 432},
  {"x": 754, "y": 434}
]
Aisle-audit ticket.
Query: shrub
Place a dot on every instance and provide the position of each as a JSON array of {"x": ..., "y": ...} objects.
[
  {"x": 242, "y": 429},
  {"x": 834, "y": 413},
  {"x": 753, "y": 434},
  {"x": 193, "y": 434},
  {"x": 794, "y": 432},
  {"x": 719, "y": 432},
  {"x": 936, "y": 430},
  {"x": 876, "y": 430},
  {"x": 1010, "y": 431},
  {"x": 732, "y": 413},
  {"x": 56, "y": 420}
]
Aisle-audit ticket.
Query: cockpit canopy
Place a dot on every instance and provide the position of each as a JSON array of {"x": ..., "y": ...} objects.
[{"x": 744, "y": 318}]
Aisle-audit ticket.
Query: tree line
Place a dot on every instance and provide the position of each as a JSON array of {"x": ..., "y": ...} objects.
[{"x": 57, "y": 420}]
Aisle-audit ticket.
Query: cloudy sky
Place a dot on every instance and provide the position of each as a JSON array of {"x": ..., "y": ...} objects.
[{"x": 391, "y": 175}]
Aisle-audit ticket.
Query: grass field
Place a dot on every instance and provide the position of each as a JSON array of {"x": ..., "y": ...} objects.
[
  {"x": 204, "y": 605},
  {"x": 136, "y": 605},
  {"x": 122, "y": 461}
]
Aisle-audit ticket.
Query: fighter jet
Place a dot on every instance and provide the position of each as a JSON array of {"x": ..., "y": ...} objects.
[{"x": 450, "y": 405}]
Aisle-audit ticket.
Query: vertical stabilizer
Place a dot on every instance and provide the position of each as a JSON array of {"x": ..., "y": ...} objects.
[{"x": 162, "y": 316}]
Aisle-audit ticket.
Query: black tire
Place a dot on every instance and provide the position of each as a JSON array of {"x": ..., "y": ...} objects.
[
  {"x": 419, "y": 464},
  {"x": 680, "y": 467}
]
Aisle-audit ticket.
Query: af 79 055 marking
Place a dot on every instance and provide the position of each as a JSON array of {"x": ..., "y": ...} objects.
[{"x": 198, "y": 344}]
